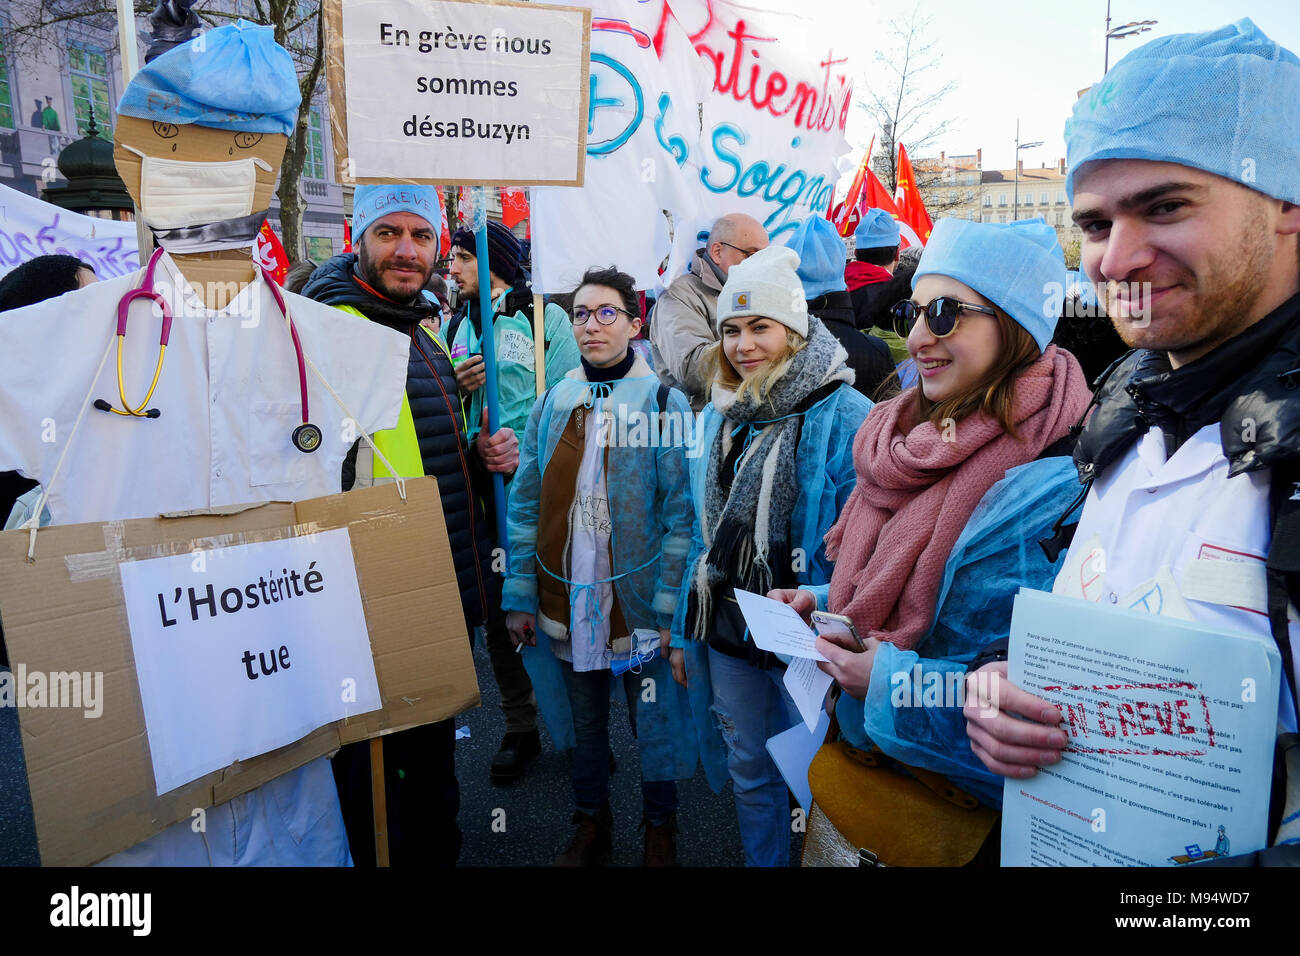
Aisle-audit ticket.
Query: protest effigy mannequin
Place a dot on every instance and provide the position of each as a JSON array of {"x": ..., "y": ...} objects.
[
  {"x": 200, "y": 135},
  {"x": 214, "y": 273}
]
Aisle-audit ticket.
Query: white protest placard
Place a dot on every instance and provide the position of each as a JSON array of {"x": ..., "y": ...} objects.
[
  {"x": 245, "y": 649},
  {"x": 777, "y": 627},
  {"x": 459, "y": 91},
  {"x": 1170, "y": 727}
]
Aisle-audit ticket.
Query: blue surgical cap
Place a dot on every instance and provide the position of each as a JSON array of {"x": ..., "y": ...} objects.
[
  {"x": 1226, "y": 102},
  {"x": 372, "y": 203},
  {"x": 234, "y": 77},
  {"x": 1018, "y": 266},
  {"x": 822, "y": 256},
  {"x": 877, "y": 230}
]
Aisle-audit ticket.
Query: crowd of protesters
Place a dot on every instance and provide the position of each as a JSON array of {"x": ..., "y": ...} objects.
[{"x": 885, "y": 434}]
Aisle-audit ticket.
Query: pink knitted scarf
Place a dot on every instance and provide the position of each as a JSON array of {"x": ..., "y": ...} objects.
[{"x": 916, "y": 491}]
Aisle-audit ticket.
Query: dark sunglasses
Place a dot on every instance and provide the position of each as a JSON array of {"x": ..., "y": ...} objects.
[{"x": 940, "y": 315}]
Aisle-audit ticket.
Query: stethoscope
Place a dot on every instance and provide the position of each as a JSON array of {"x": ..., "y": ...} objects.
[{"x": 306, "y": 437}]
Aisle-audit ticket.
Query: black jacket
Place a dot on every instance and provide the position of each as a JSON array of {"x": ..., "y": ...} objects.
[
  {"x": 868, "y": 356},
  {"x": 434, "y": 398},
  {"x": 871, "y": 303},
  {"x": 1250, "y": 387},
  {"x": 1252, "y": 378}
]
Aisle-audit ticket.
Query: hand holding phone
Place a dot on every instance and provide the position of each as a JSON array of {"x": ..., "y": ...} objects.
[{"x": 837, "y": 629}]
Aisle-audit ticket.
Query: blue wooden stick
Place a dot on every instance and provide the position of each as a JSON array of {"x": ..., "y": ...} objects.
[{"x": 489, "y": 352}]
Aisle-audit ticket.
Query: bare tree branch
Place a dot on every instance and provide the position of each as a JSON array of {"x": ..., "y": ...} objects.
[
  {"x": 39, "y": 26},
  {"x": 902, "y": 106}
]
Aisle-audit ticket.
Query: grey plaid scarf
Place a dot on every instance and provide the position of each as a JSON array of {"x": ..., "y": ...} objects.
[{"x": 746, "y": 532}]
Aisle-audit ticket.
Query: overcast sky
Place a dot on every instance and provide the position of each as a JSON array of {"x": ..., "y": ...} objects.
[{"x": 1029, "y": 59}]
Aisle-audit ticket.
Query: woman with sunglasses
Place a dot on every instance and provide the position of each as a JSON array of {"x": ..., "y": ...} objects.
[
  {"x": 772, "y": 469},
  {"x": 958, "y": 478},
  {"x": 599, "y": 526}
]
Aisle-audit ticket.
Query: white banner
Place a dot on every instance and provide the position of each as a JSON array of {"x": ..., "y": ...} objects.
[
  {"x": 698, "y": 108},
  {"x": 31, "y": 228},
  {"x": 463, "y": 92},
  {"x": 245, "y": 649}
]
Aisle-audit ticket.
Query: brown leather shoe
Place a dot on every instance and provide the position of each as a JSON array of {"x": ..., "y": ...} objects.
[
  {"x": 660, "y": 842},
  {"x": 592, "y": 842}
]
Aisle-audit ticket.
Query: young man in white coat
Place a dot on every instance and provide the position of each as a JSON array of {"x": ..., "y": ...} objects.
[{"x": 1185, "y": 179}]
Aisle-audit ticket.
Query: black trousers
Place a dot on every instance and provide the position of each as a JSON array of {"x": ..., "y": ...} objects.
[
  {"x": 422, "y": 793},
  {"x": 517, "y": 700}
]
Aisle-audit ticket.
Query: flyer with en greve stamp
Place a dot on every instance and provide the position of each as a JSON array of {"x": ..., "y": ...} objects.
[{"x": 1171, "y": 730}]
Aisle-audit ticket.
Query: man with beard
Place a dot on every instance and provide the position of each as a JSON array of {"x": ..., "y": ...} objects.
[
  {"x": 397, "y": 247},
  {"x": 1185, "y": 179}
]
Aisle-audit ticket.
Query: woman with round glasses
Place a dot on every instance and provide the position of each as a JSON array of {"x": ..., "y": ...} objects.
[
  {"x": 599, "y": 526},
  {"x": 958, "y": 478},
  {"x": 772, "y": 469}
]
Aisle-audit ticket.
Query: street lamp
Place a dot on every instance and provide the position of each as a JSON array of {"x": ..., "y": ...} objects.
[
  {"x": 1015, "y": 203},
  {"x": 1126, "y": 30}
]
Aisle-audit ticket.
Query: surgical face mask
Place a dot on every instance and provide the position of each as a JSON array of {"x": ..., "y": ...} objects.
[
  {"x": 642, "y": 652},
  {"x": 176, "y": 193}
]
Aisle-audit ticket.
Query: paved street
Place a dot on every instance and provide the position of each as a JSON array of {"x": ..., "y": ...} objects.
[
  {"x": 540, "y": 805},
  {"x": 17, "y": 829},
  {"x": 537, "y": 808}
]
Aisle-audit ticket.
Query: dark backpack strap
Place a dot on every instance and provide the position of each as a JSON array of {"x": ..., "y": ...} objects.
[{"x": 1283, "y": 565}]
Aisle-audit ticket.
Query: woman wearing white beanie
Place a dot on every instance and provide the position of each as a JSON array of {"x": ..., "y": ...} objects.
[{"x": 774, "y": 468}]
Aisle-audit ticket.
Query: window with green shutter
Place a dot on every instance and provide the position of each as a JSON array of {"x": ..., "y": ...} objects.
[
  {"x": 319, "y": 248},
  {"x": 7, "y": 118},
  {"x": 89, "y": 69},
  {"x": 313, "y": 166}
]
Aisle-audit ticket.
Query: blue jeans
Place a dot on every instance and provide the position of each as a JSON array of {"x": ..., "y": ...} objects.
[
  {"x": 751, "y": 705},
  {"x": 589, "y": 701}
]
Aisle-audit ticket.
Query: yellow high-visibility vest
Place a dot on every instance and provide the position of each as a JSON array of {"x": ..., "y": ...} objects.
[{"x": 400, "y": 445}]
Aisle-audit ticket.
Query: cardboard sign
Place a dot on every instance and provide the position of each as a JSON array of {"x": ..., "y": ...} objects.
[
  {"x": 91, "y": 777},
  {"x": 455, "y": 91},
  {"x": 272, "y": 633}
]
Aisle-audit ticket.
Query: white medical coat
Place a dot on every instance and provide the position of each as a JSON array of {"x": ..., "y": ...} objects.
[
  {"x": 229, "y": 402},
  {"x": 1148, "y": 520}
]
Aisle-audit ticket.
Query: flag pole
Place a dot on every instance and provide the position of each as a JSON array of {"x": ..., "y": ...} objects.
[
  {"x": 129, "y": 54},
  {"x": 855, "y": 189},
  {"x": 479, "y": 223}
]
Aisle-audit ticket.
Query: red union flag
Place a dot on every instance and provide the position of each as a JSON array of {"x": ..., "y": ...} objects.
[
  {"x": 911, "y": 209},
  {"x": 876, "y": 196},
  {"x": 444, "y": 238},
  {"x": 271, "y": 255},
  {"x": 847, "y": 220},
  {"x": 514, "y": 207}
]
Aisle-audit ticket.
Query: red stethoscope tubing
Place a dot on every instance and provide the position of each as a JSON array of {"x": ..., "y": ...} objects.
[
  {"x": 297, "y": 346},
  {"x": 146, "y": 291}
]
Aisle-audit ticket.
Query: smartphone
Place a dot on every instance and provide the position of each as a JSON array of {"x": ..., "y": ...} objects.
[{"x": 827, "y": 624}]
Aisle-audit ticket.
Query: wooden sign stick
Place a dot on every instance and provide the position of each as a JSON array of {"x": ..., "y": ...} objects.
[{"x": 379, "y": 800}]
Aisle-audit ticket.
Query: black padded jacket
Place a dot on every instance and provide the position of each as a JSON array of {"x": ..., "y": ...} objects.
[{"x": 433, "y": 395}]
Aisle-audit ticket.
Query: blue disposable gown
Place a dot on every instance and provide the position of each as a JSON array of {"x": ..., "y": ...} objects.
[
  {"x": 516, "y": 362},
  {"x": 996, "y": 555},
  {"x": 825, "y": 474},
  {"x": 652, "y": 524}
]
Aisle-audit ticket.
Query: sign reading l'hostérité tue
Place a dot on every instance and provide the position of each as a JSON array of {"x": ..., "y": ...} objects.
[{"x": 244, "y": 649}]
